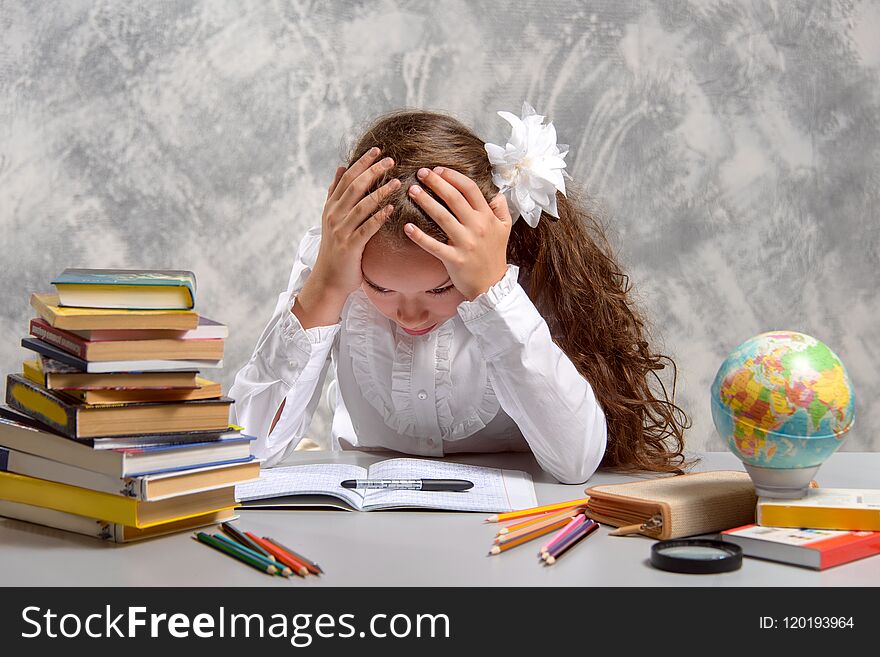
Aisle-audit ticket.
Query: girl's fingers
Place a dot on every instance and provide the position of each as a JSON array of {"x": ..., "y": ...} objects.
[
  {"x": 437, "y": 249},
  {"x": 500, "y": 208},
  {"x": 464, "y": 185},
  {"x": 450, "y": 224},
  {"x": 372, "y": 225},
  {"x": 351, "y": 174},
  {"x": 337, "y": 176},
  {"x": 371, "y": 203},
  {"x": 358, "y": 188},
  {"x": 460, "y": 206}
]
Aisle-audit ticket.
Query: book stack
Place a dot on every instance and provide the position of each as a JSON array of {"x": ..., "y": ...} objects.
[
  {"x": 827, "y": 527},
  {"x": 109, "y": 429}
]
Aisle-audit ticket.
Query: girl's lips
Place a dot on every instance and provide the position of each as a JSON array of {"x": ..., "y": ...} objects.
[{"x": 419, "y": 332}]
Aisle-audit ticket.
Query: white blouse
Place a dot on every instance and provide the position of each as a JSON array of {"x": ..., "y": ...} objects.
[{"x": 487, "y": 380}]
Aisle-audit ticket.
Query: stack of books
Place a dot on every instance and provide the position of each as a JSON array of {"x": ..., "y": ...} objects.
[
  {"x": 827, "y": 527},
  {"x": 109, "y": 429}
]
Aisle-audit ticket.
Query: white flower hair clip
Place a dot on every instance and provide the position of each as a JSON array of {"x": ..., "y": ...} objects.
[{"x": 530, "y": 167}]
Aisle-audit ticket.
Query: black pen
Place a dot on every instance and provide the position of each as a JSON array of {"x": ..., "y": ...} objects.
[{"x": 410, "y": 484}]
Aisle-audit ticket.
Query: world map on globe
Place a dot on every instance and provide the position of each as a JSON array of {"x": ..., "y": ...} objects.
[{"x": 783, "y": 400}]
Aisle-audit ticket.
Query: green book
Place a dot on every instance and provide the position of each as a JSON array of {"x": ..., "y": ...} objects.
[{"x": 133, "y": 289}]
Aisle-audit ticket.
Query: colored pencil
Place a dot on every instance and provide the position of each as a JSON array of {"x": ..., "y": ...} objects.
[
  {"x": 311, "y": 565},
  {"x": 550, "y": 524},
  {"x": 202, "y": 537},
  {"x": 295, "y": 565},
  {"x": 544, "y": 516},
  {"x": 562, "y": 533},
  {"x": 503, "y": 545},
  {"x": 237, "y": 535},
  {"x": 568, "y": 538},
  {"x": 522, "y": 513},
  {"x": 529, "y": 536},
  {"x": 235, "y": 545},
  {"x": 585, "y": 530}
]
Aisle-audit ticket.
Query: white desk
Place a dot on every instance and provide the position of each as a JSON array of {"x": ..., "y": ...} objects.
[{"x": 410, "y": 548}]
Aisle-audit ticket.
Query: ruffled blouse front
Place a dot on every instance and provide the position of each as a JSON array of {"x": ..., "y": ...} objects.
[
  {"x": 397, "y": 373},
  {"x": 488, "y": 379}
]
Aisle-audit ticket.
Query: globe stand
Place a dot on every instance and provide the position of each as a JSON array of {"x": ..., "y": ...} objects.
[{"x": 790, "y": 483}]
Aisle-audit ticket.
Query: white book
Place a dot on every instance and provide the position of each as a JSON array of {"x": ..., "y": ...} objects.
[
  {"x": 147, "y": 488},
  {"x": 155, "y": 365},
  {"x": 494, "y": 491},
  {"x": 108, "y": 531}
]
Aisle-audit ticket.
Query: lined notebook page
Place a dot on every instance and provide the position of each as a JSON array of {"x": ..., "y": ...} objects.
[
  {"x": 312, "y": 479},
  {"x": 494, "y": 491}
]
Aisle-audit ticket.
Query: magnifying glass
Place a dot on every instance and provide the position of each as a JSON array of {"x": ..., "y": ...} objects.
[{"x": 696, "y": 556}]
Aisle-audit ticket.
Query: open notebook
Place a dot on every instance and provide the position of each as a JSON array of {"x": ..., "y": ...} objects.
[{"x": 318, "y": 485}]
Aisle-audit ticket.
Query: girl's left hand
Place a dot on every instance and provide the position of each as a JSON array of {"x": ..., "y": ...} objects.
[{"x": 476, "y": 255}]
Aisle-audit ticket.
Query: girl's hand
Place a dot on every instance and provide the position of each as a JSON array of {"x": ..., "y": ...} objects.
[
  {"x": 349, "y": 220},
  {"x": 476, "y": 255}
]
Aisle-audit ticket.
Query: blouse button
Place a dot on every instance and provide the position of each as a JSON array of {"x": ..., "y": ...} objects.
[
  {"x": 422, "y": 395},
  {"x": 432, "y": 442}
]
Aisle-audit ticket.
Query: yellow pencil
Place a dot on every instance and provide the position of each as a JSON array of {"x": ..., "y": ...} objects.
[{"x": 522, "y": 513}]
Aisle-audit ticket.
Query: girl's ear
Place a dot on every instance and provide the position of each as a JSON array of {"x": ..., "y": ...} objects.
[{"x": 499, "y": 207}]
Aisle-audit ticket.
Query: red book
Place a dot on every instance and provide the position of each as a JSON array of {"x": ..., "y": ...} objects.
[
  {"x": 811, "y": 548},
  {"x": 113, "y": 350}
]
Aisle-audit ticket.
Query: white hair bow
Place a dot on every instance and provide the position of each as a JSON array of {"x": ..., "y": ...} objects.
[{"x": 530, "y": 167}]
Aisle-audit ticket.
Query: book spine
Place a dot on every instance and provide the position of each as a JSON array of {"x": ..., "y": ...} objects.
[
  {"x": 819, "y": 518},
  {"x": 40, "y": 467},
  {"x": 32, "y": 370},
  {"x": 54, "y": 353},
  {"x": 35, "y": 401},
  {"x": 70, "y": 499},
  {"x": 61, "y": 339}
]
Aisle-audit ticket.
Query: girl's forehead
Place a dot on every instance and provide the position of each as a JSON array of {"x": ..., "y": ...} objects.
[{"x": 402, "y": 267}]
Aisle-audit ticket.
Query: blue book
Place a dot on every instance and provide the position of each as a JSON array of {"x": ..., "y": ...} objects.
[
  {"x": 107, "y": 366},
  {"x": 131, "y": 289}
]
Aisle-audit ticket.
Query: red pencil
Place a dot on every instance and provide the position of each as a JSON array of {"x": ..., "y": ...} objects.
[
  {"x": 297, "y": 566},
  {"x": 311, "y": 565}
]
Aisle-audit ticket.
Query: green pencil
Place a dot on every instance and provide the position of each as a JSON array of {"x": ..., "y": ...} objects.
[
  {"x": 282, "y": 570},
  {"x": 241, "y": 556},
  {"x": 237, "y": 535}
]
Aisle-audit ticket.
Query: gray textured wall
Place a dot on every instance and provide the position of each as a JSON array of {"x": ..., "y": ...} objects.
[{"x": 733, "y": 145}]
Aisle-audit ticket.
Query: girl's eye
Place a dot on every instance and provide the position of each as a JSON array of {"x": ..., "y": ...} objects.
[
  {"x": 442, "y": 290},
  {"x": 380, "y": 290}
]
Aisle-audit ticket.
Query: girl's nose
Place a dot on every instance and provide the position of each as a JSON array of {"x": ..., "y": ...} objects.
[{"x": 411, "y": 317}]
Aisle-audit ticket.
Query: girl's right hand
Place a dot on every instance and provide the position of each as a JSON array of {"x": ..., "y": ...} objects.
[{"x": 349, "y": 220}]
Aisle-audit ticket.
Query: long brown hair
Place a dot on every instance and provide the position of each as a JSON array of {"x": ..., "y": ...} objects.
[{"x": 572, "y": 278}]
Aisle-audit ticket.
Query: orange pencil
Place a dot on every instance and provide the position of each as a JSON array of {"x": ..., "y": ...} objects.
[
  {"x": 501, "y": 546},
  {"x": 532, "y": 533},
  {"x": 296, "y": 566},
  {"x": 548, "y": 522},
  {"x": 522, "y": 513},
  {"x": 526, "y": 523}
]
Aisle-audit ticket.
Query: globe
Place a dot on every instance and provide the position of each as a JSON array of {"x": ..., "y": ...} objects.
[{"x": 783, "y": 403}]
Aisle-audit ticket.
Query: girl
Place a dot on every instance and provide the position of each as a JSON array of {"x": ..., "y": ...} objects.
[{"x": 454, "y": 327}]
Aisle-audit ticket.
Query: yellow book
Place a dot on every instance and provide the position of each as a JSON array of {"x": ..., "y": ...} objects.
[
  {"x": 108, "y": 531},
  {"x": 112, "y": 508},
  {"x": 83, "y": 319},
  {"x": 824, "y": 508}
]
